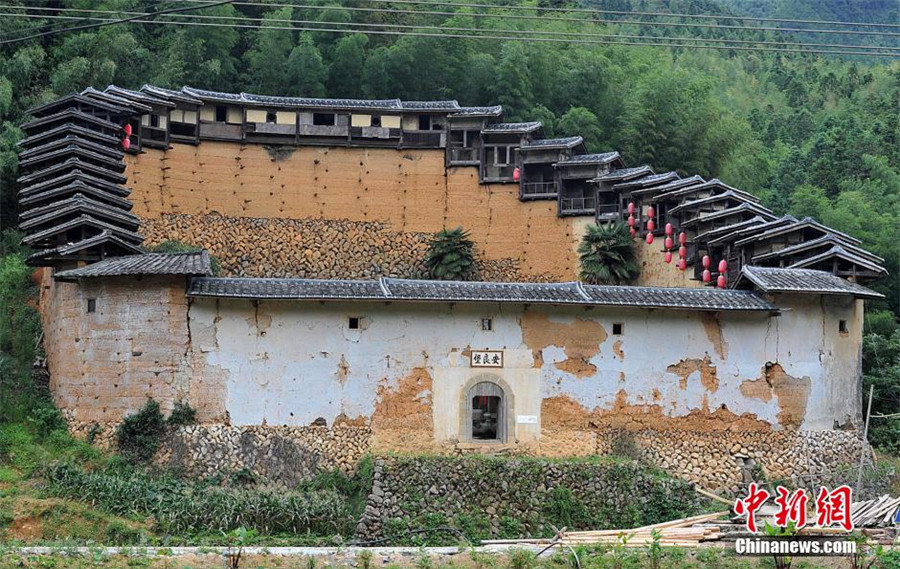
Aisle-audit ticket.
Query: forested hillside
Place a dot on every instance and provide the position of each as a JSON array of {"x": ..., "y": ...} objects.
[{"x": 813, "y": 134}]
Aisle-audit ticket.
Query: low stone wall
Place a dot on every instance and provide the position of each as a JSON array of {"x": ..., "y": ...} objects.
[
  {"x": 719, "y": 460},
  {"x": 494, "y": 496}
]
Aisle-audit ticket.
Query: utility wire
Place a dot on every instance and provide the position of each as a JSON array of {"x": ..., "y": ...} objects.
[
  {"x": 112, "y": 22},
  {"x": 561, "y": 19},
  {"x": 867, "y": 52},
  {"x": 634, "y": 13},
  {"x": 492, "y": 30}
]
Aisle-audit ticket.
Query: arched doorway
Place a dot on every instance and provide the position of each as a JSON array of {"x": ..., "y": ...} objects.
[{"x": 486, "y": 413}]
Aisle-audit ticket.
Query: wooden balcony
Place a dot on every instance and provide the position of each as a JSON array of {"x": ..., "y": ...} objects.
[
  {"x": 463, "y": 157},
  {"x": 423, "y": 139},
  {"x": 608, "y": 212},
  {"x": 579, "y": 205},
  {"x": 498, "y": 173},
  {"x": 539, "y": 190}
]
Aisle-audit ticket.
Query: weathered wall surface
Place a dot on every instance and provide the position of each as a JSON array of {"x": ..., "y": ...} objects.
[{"x": 391, "y": 197}]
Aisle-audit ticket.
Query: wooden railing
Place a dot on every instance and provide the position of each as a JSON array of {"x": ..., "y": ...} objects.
[
  {"x": 608, "y": 210},
  {"x": 499, "y": 172},
  {"x": 423, "y": 139},
  {"x": 535, "y": 189},
  {"x": 463, "y": 155},
  {"x": 577, "y": 204}
]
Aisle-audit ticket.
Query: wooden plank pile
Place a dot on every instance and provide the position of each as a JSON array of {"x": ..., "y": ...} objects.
[
  {"x": 684, "y": 532},
  {"x": 878, "y": 512}
]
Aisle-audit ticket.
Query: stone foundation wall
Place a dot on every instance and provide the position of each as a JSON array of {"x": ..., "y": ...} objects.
[{"x": 719, "y": 460}]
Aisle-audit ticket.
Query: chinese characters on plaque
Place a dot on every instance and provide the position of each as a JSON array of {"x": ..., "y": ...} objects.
[{"x": 486, "y": 358}]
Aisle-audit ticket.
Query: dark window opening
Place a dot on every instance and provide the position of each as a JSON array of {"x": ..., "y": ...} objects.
[
  {"x": 353, "y": 323},
  {"x": 183, "y": 129},
  {"x": 271, "y": 117},
  {"x": 487, "y": 324},
  {"x": 618, "y": 328},
  {"x": 92, "y": 305},
  {"x": 376, "y": 121},
  {"x": 842, "y": 327},
  {"x": 324, "y": 119},
  {"x": 154, "y": 121},
  {"x": 485, "y": 417},
  {"x": 221, "y": 113},
  {"x": 424, "y": 122}
]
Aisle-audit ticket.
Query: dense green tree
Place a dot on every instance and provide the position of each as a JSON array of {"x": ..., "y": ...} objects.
[
  {"x": 305, "y": 72},
  {"x": 582, "y": 122},
  {"x": 347, "y": 62},
  {"x": 271, "y": 49},
  {"x": 606, "y": 254}
]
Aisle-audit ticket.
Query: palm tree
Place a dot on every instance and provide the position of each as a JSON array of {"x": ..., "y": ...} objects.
[
  {"x": 450, "y": 255},
  {"x": 607, "y": 254}
]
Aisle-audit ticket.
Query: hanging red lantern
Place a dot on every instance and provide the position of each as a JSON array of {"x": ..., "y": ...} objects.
[
  {"x": 630, "y": 221},
  {"x": 682, "y": 264},
  {"x": 682, "y": 238},
  {"x": 517, "y": 174},
  {"x": 723, "y": 266},
  {"x": 126, "y": 144},
  {"x": 631, "y": 208},
  {"x": 127, "y": 129},
  {"x": 651, "y": 225},
  {"x": 669, "y": 229},
  {"x": 633, "y": 232},
  {"x": 669, "y": 242},
  {"x": 706, "y": 261},
  {"x": 668, "y": 257},
  {"x": 682, "y": 252},
  {"x": 720, "y": 282},
  {"x": 651, "y": 212},
  {"x": 649, "y": 239},
  {"x": 707, "y": 276}
]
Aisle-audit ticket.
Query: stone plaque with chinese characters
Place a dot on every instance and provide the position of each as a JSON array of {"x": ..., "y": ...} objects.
[{"x": 486, "y": 358}]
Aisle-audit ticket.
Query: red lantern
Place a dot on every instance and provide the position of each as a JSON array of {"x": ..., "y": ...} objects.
[
  {"x": 126, "y": 144},
  {"x": 669, "y": 229},
  {"x": 669, "y": 242},
  {"x": 707, "y": 276},
  {"x": 682, "y": 252},
  {"x": 682, "y": 238},
  {"x": 668, "y": 257},
  {"x": 720, "y": 282},
  {"x": 649, "y": 239},
  {"x": 651, "y": 225},
  {"x": 651, "y": 212},
  {"x": 517, "y": 174},
  {"x": 633, "y": 232},
  {"x": 630, "y": 221},
  {"x": 723, "y": 266},
  {"x": 706, "y": 261},
  {"x": 682, "y": 264},
  {"x": 127, "y": 129},
  {"x": 631, "y": 208}
]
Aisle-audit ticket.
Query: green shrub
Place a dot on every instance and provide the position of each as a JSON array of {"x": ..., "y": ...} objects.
[
  {"x": 46, "y": 420},
  {"x": 450, "y": 255},
  {"x": 140, "y": 435},
  {"x": 607, "y": 256},
  {"x": 182, "y": 414}
]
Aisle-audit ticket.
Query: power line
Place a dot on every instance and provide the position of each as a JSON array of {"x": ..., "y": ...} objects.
[
  {"x": 560, "y": 18},
  {"x": 492, "y": 30},
  {"x": 868, "y": 52},
  {"x": 112, "y": 22},
  {"x": 634, "y": 13}
]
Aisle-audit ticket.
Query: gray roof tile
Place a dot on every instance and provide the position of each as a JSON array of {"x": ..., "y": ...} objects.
[
  {"x": 494, "y": 111},
  {"x": 550, "y": 143},
  {"x": 770, "y": 279},
  {"x": 512, "y": 127},
  {"x": 624, "y": 174},
  {"x": 572, "y": 293},
  {"x": 194, "y": 263},
  {"x": 602, "y": 158}
]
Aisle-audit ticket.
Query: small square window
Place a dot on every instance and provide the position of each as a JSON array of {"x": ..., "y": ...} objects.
[
  {"x": 92, "y": 305},
  {"x": 221, "y": 113},
  {"x": 487, "y": 324},
  {"x": 618, "y": 328},
  {"x": 842, "y": 327},
  {"x": 353, "y": 323}
]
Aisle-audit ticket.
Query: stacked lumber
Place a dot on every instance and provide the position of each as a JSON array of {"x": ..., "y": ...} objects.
[
  {"x": 878, "y": 512},
  {"x": 684, "y": 532}
]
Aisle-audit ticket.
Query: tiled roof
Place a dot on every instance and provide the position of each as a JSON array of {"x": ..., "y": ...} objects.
[
  {"x": 753, "y": 230},
  {"x": 69, "y": 165},
  {"x": 77, "y": 204},
  {"x": 138, "y": 96},
  {"x": 67, "y": 129},
  {"x": 624, "y": 174},
  {"x": 817, "y": 243},
  {"x": 131, "y": 106},
  {"x": 842, "y": 253},
  {"x": 76, "y": 187},
  {"x": 75, "y": 176},
  {"x": 805, "y": 223},
  {"x": 69, "y": 140},
  {"x": 572, "y": 293},
  {"x": 494, "y": 111},
  {"x": 670, "y": 186},
  {"x": 726, "y": 229},
  {"x": 746, "y": 207},
  {"x": 104, "y": 237},
  {"x": 429, "y": 105},
  {"x": 603, "y": 158},
  {"x": 714, "y": 183},
  {"x": 166, "y": 94},
  {"x": 83, "y": 220},
  {"x": 729, "y": 195},
  {"x": 69, "y": 101},
  {"x": 512, "y": 127},
  {"x": 549, "y": 143},
  {"x": 195, "y": 263},
  {"x": 70, "y": 115},
  {"x": 650, "y": 180},
  {"x": 74, "y": 151},
  {"x": 771, "y": 279}
]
